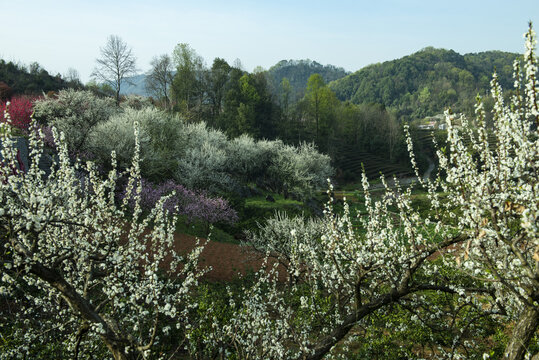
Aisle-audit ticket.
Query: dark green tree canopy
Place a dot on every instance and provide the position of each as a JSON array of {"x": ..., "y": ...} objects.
[
  {"x": 34, "y": 80},
  {"x": 452, "y": 80}
]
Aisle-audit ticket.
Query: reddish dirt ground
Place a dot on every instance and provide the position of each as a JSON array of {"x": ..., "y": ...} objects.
[{"x": 226, "y": 260}]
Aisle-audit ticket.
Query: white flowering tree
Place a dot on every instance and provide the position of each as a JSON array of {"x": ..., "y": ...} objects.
[
  {"x": 81, "y": 274},
  {"x": 482, "y": 226},
  {"x": 495, "y": 186}
]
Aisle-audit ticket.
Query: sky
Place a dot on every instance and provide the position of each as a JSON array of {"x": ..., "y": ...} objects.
[{"x": 351, "y": 34}]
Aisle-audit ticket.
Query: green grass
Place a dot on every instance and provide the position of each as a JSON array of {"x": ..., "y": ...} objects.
[
  {"x": 254, "y": 210},
  {"x": 280, "y": 202},
  {"x": 200, "y": 230}
]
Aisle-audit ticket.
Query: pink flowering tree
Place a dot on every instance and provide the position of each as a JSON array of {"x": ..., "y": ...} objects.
[
  {"x": 20, "y": 110},
  {"x": 81, "y": 275}
]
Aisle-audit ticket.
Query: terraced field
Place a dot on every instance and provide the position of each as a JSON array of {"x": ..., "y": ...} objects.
[{"x": 353, "y": 162}]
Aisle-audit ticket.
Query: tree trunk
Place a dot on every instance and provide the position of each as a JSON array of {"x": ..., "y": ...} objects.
[
  {"x": 523, "y": 332},
  {"x": 118, "y": 349},
  {"x": 84, "y": 309}
]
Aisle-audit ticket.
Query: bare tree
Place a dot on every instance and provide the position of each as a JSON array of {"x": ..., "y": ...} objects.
[
  {"x": 72, "y": 77},
  {"x": 160, "y": 77},
  {"x": 117, "y": 62}
]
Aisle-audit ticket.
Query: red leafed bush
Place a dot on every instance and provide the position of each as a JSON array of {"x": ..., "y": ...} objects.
[{"x": 20, "y": 110}]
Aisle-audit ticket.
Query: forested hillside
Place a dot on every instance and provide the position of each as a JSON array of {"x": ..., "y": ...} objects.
[
  {"x": 32, "y": 80},
  {"x": 355, "y": 118},
  {"x": 296, "y": 73},
  {"x": 427, "y": 82}
]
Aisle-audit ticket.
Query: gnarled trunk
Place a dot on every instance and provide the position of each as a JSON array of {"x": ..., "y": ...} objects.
[
  {"x": 119, "y": 352},
  {"x": 523, "y": 332}
]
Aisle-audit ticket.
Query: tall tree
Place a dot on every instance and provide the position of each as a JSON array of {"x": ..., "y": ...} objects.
[
  {"x": 218, "y": 77},
  {"x": 72, "y": 77},
  {"x": 284, "y": 103},
  {"x": 116, "y": 63},
  {"x": 315, "y": 84},
  {"x": 187, "y": 83},
  {"x": 321, "y": 102},
  {"x": 159, "y": 80},
  {"x": 249, "y": 106}
]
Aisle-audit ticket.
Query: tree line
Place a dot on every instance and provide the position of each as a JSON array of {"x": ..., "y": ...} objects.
[
  {"x": 237, "y": 102},
  {"x": 303, "y": 101}
]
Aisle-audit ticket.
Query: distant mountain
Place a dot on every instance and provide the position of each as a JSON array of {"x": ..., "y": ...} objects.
[
  {"x": 427, "y": 82},
  {"x": 134, "y": 85},
  {"x": 298, "y": 72}
]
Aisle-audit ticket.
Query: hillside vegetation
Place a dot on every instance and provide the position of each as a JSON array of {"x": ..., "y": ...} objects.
[
  {"x": 18, "y": 79},
  {"x": 297, "y": 72},
  {"x": 355, "y": 118},
  {"x": 95, "y": 189},
  {"x": 427, "y": 82}
]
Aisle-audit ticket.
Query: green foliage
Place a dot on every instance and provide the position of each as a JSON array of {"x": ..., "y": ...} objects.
[
  {"x": 320, "y": 104},
  {"x": 101, "y": 90},
  {"x": 249, "y": 108},
  {"x": 217, "y": 80},
  {"x": 32, "y": 80},
  {"x": 160, "y": 137},
  {"x": 297, "y": 72},
  {"x": 426, "y": 82},
  {"x": 404, "y": 332},
  {"x": 187, "y": 84},
  {"x": 76, "y": 113}
]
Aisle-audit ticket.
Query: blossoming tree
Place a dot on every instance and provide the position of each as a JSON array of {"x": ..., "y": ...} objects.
[
  {"x": 496, "y": 188},
  {"x": 482, "y": 225},
  {"x": 92, "y": 275},
  {"x": 80, "y": 273}
]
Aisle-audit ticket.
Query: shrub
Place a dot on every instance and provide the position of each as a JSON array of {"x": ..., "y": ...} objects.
[
  {"x": 20, "y": 110},
  {"x": 136, "y": 102},
  {"x": 161, "y": 139},
  {"x": 299, "y": 170},
  {"x": 75, "y": 113},
  {"x": 196, "y": 206},
  {"x": 202, "y": 165},
  {"x": 249, "y": 159},
  {"x": 273, "y": 236}
]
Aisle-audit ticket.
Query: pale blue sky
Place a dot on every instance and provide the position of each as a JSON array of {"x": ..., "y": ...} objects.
[{"x": 351, "y": 34}]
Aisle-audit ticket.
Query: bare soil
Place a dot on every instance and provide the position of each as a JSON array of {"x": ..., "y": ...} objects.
[{"x": 227, "y": 261}]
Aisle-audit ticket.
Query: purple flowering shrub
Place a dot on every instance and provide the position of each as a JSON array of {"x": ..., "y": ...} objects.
[{"x": 196, "y": 206}]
